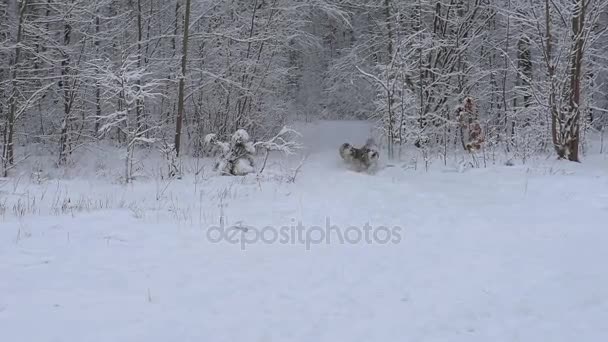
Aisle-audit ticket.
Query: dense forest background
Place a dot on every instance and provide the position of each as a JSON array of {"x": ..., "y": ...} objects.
[{"x": 169, "y": 72}]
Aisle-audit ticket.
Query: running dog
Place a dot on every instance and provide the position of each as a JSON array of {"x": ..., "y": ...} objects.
[{"x": 360, "y": 159}]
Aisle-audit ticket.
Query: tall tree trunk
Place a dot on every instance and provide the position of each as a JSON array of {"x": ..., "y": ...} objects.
[
  {"x": 182, "y": 81},
  {"x": 555, "y": 113},
  {"x": 389, "y": 90},
  {"x": 505, "y": 119},
  {"x": 68, "y": 96},
  {"x": 139, "y": 103},
  {"x": 8, "y": 154},
  {"x": 97, "y": 86},
  {"x": 576, "y": 67}
]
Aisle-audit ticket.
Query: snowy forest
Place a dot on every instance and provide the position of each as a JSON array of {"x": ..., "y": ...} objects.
[
  {"x": 157, "y": 72},
  {"x": 303, "y": 170}
]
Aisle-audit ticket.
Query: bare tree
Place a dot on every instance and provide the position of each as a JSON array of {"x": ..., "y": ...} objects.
[{"x": 182, "y": 81}]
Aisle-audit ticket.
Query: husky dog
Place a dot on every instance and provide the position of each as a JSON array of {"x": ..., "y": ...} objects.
[
  {"x": 361, "y": 159},
  {"x": 346, "y": 152}
]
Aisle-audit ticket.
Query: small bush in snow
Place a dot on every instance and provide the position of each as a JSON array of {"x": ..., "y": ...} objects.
[
  {"x": 236, "y": 156},
  {"x": 168, "y": 152}
]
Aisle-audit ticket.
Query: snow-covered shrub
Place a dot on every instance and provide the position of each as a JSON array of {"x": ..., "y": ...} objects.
[
  {"x": 283, "y": 142},
  {"x": 125, "y": 86},
  {"x": 236, "y": 156},
  {"x": 168, "y": 152},
  {"x": 213, "y": 147}
]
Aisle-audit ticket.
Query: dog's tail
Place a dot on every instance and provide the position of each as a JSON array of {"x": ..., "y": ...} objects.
[{"x": 370, "y": 143}]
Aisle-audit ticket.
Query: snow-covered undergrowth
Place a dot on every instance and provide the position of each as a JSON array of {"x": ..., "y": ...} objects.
[{"x": 489, "y": 254}]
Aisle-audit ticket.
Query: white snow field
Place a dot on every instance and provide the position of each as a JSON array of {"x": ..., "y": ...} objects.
[{"x": 488, "y": 254}]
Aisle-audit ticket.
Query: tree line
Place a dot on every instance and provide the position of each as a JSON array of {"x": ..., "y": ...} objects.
[{"x": 144, "y": 72}]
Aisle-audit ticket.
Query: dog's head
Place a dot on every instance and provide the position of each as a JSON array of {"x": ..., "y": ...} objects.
[
  {"x": 373, "y": 155},
  {"x": 346, "y": 151}
]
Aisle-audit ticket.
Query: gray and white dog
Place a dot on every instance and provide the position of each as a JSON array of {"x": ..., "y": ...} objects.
[{"x": 361, "y": 159}]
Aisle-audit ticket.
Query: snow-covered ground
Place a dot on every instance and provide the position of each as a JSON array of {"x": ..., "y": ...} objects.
[{"x": 490, "y": 254}]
